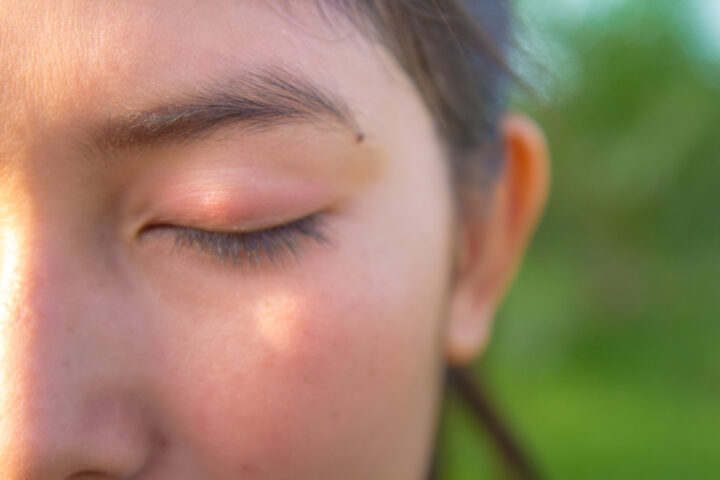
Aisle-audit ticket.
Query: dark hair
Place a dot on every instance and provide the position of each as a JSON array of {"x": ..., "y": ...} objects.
[{"x": 456, "y": 54}]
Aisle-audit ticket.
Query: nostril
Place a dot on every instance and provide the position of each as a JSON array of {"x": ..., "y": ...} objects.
[{"x": 91, "y": 475}]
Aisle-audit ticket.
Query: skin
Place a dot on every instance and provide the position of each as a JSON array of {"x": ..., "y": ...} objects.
[{"x": 123, "y": 356}]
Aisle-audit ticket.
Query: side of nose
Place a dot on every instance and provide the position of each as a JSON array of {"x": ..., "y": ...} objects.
[{"x": 71, "y": 404}]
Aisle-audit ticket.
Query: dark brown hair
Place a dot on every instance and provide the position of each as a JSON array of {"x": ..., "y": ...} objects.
[{"x": 456, "y": 53}]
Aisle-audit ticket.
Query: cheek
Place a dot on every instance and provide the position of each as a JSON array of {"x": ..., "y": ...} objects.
[{"x": 344, "y": 354}]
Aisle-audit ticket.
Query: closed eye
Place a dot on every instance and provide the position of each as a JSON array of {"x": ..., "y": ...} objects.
[{"x": 249, "y": 248}]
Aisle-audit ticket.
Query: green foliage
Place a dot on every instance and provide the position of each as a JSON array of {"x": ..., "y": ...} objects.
[{"x": 605, "y": 356}]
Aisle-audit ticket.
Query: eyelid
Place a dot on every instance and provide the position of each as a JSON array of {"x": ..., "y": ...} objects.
[
  {"x": 224, "y": 199},
  {"x": 250, "y": 248}
]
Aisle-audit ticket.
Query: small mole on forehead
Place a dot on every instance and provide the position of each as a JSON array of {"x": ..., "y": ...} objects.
[{"x": 359, "y": 136}]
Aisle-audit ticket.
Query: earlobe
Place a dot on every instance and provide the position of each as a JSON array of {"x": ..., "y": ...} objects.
[{"x": 492, "y": 237}]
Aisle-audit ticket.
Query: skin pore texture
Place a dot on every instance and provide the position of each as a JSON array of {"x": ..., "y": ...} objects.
[{"x": 147, "y": 330}]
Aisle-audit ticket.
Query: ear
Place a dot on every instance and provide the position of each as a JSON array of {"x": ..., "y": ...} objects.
[{"x": 494, "y": 229}]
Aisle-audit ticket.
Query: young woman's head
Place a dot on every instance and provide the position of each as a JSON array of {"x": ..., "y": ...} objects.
[{"x": 242, "y": 239}]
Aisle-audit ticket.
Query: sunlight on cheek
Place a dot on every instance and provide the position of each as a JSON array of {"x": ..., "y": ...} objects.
[
  {"x": 10, "y": 251},
  {"x": 9, "y": 268},
  {"x": 276, "y": 318}
]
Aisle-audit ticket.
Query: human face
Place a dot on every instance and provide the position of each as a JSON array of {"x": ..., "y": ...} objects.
[{"x": 135, "y": 344}]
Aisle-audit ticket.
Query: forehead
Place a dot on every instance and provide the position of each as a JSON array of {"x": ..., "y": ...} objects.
[{"x": 95, "y": 57}]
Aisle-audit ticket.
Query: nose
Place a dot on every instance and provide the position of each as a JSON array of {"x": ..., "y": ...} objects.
[{"x": 71, "y": 400}]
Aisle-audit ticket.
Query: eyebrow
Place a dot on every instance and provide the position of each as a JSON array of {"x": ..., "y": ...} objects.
[{"x": 257, "y": 100}]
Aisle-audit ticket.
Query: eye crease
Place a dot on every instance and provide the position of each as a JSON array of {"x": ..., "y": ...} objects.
[{"x": 249, "y": 249}]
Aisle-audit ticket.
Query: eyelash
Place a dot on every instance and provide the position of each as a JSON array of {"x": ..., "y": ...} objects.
[{"x": 250, "y": 248}]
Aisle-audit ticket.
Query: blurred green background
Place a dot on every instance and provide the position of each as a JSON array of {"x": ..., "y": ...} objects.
[{"x": 605, "y": 358}]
